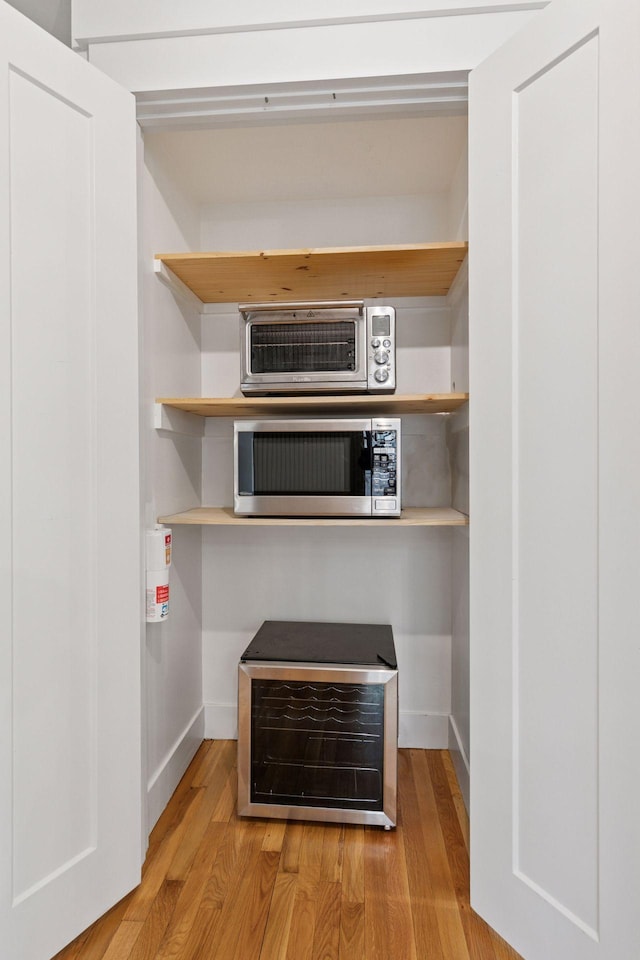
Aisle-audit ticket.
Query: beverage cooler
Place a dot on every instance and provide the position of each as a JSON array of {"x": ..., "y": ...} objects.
[{"x": 318, "y": 723}]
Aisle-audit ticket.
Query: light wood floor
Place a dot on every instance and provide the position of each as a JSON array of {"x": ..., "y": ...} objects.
[{"x": 218, "y": 888}]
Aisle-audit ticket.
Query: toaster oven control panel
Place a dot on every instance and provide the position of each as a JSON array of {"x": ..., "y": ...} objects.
[{"x": 381, "y": 355}]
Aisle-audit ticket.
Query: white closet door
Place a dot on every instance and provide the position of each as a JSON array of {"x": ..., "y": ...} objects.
[
  {"x": 70, "y": 771},
  {"x": 555, "y": 473}
]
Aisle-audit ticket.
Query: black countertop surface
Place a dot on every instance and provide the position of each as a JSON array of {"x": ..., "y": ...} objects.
[{"x": 301, "y": 641}]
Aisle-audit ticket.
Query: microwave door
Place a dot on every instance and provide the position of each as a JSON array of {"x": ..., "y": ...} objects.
[{"x": 291, "y": 469}]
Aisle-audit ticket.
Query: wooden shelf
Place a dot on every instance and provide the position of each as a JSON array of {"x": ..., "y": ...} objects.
[
  {"x": 411, "y": 517},
  {"x": 382, "y": 405},
  {"x": 332, "y": 273}
]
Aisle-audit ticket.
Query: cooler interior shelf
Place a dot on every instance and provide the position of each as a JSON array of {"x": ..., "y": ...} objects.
[
  {"x": 411, "y": 517},
  {"x": 331, "y": 273},
  {"x": 381, "y": 405}
]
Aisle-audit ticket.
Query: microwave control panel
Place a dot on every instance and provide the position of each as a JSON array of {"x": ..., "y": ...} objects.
[
  {"x": 381, "y": 349},
  {"x": 385, "y": 471}
]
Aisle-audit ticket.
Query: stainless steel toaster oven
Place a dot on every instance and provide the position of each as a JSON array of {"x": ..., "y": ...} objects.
[{"x": 326, "y": 347}]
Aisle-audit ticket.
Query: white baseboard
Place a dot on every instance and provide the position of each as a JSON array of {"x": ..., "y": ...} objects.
[
  {"x": 424, "y": 731},
  {"x": 166, "y": 778},
  {"x": 460, "y": 761},
  {"x": 220, "y": 721}
]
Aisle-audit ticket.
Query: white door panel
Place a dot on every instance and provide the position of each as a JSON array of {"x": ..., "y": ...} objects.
[
  {"x": 553, "y": 652},
  {"x": 70, "y": 596}
]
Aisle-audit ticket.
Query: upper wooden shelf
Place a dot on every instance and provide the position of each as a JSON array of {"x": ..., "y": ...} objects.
[
  {"x": 379, "y": 405},
  {"x": 332, "y": 273}
]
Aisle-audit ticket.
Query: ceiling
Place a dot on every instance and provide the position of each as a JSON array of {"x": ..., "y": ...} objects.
[{"x": 356, "y": 158}]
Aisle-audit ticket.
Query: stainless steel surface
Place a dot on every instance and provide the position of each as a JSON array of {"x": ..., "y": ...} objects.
[
  {"x": 304, "y": 424},
  {"x": 320, "y": 673},
  {"x": 361, "y": 379},
  {"x": 248, "y": 309},
  {"x": 289, "y": 506},
  {"x": 377, "y": 381},
  {"x": 315, "y": 506}
]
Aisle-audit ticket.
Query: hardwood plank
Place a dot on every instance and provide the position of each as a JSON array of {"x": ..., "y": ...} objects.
[
  {"x": 188, "y": 905},
  {"x": 124, "y": 941},
  {"x": 154, "y": 927},
  {"x": 388, "y": 919},
  {"x": 302, "y": 932},
  {"x": 233, "y": 859},
  {"x": 170, "y": 819},
  {"x": 291, "y": 847},
  {"x": 228, "y": 798},
  {"x": 456, "y": 795},
  {"x": 219, "y": 772},
  {"x": 419, "y": 875},
  {"x": 450, "y": 926},
  {"x": 244, "y": 910},
  {"x": 353, "y": 864},
  {"x": 280, "y": 917},
  {"x": 274, "y": 835},
  {"x": 141, "y": 900},
  {"x": 480, "y": 943},
  {"x": 332, "y": 852},
  {"x": 326, "y": 936},
  {"x": 310, "y": 861},
  {"x": 352, "y": 920},
  {"x": 251, "y": 911}
]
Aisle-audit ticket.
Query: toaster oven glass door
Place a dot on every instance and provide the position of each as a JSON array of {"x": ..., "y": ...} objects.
[{"x": 305, "y": 347}]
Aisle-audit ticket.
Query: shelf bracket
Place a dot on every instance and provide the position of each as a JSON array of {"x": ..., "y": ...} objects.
[
  {"x": 180, "y": 289},
  {"x": 177, "y": 421}
]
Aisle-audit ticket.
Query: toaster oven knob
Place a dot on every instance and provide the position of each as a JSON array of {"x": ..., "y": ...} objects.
[
  {"x": 381, "y": 375},
  {"x": 381, "y": 356},
  {"x": 375, "y": 343}
]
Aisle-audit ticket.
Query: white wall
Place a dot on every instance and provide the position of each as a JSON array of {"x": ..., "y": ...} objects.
[
  {"x": 121, "y": 18},
  {"x": 53, "y": 15},
  {"x": 331, "y": 574},
  {"x": 266, "y": 188},
  {"x": 328, "y": 574},
  {"x": 150, "y": 47},
  {"x": 171, "y": 481}
]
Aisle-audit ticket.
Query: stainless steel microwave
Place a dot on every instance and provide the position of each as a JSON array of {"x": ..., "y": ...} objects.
[
  {"x": 317, "y": 467},
  {"x": 327, "y": 347}
]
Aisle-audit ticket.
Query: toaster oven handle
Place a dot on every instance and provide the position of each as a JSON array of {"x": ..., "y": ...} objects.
[{"x": 302, "y": 305}]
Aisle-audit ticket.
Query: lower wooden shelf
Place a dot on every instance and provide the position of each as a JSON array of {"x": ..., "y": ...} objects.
[{"x": 411, "y": 517}]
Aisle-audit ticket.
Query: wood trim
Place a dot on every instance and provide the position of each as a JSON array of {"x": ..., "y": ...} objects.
[
  {"x": 411, "y": 517},
  {"x": 331, "y": 273},
  {"x": 381, "y": 405}
]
